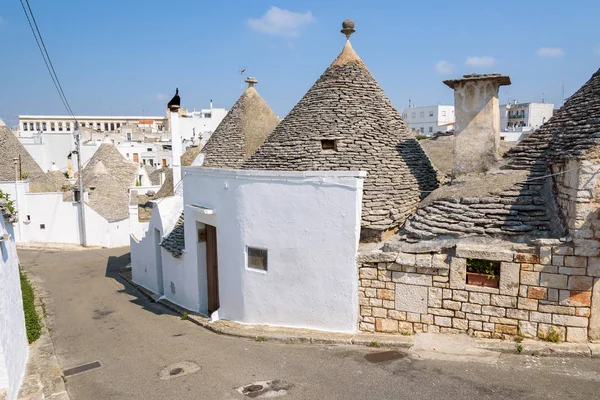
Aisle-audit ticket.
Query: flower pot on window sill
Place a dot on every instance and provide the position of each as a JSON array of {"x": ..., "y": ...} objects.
[{"x": 485, "y": 280}]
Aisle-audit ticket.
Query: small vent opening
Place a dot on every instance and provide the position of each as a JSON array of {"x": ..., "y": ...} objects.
[{"x": 328, "y": 144}]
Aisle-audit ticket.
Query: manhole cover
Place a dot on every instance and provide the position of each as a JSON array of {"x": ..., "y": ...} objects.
[
  {"x": 178, "y": 369},
  {"x": 265, "y": 389},
  {"x": 82, "y": 368},
  {"x": 384, "y": 356}
]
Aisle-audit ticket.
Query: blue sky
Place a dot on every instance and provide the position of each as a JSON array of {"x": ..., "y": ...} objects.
[{"x": 127, "y": 56}]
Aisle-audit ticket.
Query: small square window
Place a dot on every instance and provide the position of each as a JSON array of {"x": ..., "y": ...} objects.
[
  {"x": 431, "y": 113},
  {"x": 422, "y": 114},
  {"x": 430, "y": 129},
  {"x": 257, "y": 258},
  {"x": 483, "y": 273},
  {"x": 328, "y": 144},
  {"x": 42, "y": 226}
]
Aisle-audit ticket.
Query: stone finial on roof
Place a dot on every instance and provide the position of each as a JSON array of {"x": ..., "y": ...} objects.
[
  {"x": 251, "y": 81},
  {"x": 348, "y": 28}
]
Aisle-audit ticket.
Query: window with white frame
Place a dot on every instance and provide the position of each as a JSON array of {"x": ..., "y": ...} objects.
[
  {"x": 257, "y": 258},
  {"x": 443, "y": 113},
  {"x": 422, "y": 114},
  {"x": 431, "y": 113},
  {"x": 414, "y": 115}
]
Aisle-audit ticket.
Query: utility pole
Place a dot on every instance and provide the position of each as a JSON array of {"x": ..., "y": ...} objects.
[{"x": 80, "y": 181}]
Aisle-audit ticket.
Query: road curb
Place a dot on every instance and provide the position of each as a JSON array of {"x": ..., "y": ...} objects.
[{"x": 299, "y": 336}]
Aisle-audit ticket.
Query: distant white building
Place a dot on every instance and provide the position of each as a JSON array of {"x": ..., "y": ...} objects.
[
  {"x": 198, "y": 125},
  {"x": 519, "y": 119},
  {"x": 428, "y": 120},
  {"x": 142, "y": 139}
]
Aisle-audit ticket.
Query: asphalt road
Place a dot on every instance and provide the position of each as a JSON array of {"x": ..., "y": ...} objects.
[{"x": 96, "y": 317}]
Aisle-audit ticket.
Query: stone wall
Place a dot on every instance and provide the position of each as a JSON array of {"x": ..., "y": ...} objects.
[{"x": 541, "y": 288}]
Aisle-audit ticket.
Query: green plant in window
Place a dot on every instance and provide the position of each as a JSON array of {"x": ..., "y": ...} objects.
[{"x": 490, "y": 268}]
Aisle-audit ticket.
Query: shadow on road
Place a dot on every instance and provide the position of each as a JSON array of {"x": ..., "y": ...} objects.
[{"x": 116, "y": 264}]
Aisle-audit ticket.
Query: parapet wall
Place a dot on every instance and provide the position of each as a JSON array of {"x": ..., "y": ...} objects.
[{"x": 541, "y": 289}]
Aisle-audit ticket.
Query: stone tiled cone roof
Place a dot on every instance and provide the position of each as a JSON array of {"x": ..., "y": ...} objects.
[
  {"x": 167, "y": 187},
  {"x": 10, "y": 147},
  {"x": 570, "y": 133},
  {"x": 174, "y": 242},
  {"x": 513, "y": 205},
  {"x": 519, "y": 202},
  {"x": 347, "y": 105},
  {"x": 108, "y": 176},
  {"x": 190, "y": 155},
  {"x": 243, "y": 129}
]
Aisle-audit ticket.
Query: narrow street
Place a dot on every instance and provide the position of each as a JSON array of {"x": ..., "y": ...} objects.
[{"x": 96, "y": 317}]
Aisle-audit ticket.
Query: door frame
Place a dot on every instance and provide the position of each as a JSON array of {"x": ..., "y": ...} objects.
[{"x": 212, "y": 268}]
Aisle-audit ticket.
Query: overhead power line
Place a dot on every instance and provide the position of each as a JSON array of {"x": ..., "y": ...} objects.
[{"x": 46, "y": 56}]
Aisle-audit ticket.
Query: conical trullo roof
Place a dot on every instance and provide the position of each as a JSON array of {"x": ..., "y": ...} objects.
[
  {"x": 10, "y": 147},
  {"x": 346, "y": 122},
  {"x": 570, "y": 133},
  {"x": 109, "y": 176},
  {"x": 243, "y": 129}
]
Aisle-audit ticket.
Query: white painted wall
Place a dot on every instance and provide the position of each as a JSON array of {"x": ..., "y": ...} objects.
[
  {"x": 13, "y": 339},
  {"x": 61, "y": 220},
  {"x": 143, "y": 249},
  {"x": 310, "y": 224}
]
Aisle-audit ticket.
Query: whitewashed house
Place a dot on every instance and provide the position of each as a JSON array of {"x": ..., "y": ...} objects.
[
  {"x": 13, "y": 338},
  {"x": 48, "y": 204},
  {"x": 272, "y": 236}
]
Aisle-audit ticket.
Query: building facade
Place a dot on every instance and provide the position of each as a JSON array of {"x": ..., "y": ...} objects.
[
  {"x": 33, "y": 125},
  {"x": 524, "y": 115},
  {"x": 428, "y": 120}
]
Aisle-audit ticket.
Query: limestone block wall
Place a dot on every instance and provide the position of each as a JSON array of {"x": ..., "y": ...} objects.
[
  {"x": 541, "y": 288},
  {"x": 577, "y": 186}
]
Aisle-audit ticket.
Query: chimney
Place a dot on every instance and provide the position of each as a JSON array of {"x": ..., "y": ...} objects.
[
  {"x": 477, "y": 127},
  {"x": 174, "y": 105}
]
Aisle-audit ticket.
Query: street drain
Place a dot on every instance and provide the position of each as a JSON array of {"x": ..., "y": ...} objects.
[
  {"x": 82, "y": 368},
  {"x": 178, "y": 369},
  {"x": 265, "y": 389},
  {"x": 384, "y": 356}
]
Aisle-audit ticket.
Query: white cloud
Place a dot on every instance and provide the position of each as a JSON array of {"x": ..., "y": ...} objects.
[
  {"x": 161, "y": 97},
  {"x": 444, "y": 67},
  {"x": 550, "y": 52},
  {"x": 281, "y": 22},
  {"x": 481, "y": 61}
]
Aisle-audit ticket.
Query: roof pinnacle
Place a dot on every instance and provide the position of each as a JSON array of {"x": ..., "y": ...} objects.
[
  {"x": 348, "y": 28},
  {"x": 251, "y": 81}
]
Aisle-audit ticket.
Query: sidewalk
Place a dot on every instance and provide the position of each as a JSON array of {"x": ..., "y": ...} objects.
[
  {"x": 426, "y": 344},
  {"x": 43, "y": 377}
]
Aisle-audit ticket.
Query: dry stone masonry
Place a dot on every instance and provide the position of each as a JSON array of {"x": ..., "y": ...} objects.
[
  {"x": 243, "y": 129},
  {"x": 346, "y": 122},
  {"x": 542, "y": 288}
]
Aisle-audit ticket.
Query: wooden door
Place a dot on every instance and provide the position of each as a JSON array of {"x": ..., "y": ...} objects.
[
  {"x": 135, "y": 157},
  {"x": 212, "y": 268}
]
